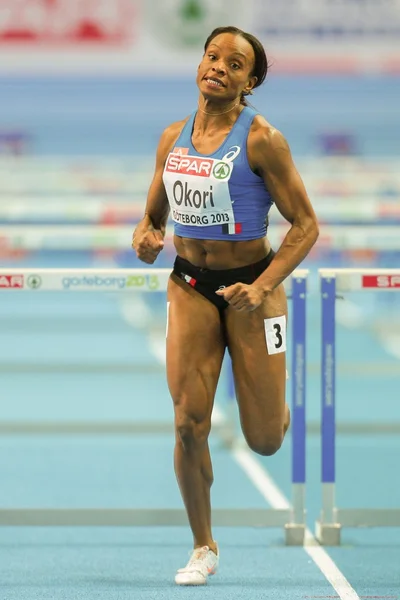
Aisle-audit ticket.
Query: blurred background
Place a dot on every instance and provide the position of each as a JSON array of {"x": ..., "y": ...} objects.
[{"x": 86, "y": 88}]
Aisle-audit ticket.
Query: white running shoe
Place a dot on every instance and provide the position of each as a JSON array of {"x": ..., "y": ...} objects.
[{"x": 202, "y": 563}]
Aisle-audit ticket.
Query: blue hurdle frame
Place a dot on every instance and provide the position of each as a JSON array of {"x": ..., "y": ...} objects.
[
  {"x": 298, "y": 372},
  {"x": 327, "y": 529},
  {"x": 333, "y": 519}
]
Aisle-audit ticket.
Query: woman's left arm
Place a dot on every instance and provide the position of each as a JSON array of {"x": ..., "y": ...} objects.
[{"x": 269, "y": 155}]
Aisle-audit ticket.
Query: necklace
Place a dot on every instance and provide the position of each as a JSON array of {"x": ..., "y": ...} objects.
[{"x": 221, "y": 113}]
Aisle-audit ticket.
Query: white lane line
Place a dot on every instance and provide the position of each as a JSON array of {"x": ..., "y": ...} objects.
[
  {"x": 274, "y": 496},
  {"x": 260, "y": 478}
]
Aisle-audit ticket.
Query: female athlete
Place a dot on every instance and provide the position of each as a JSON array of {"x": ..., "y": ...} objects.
[{"x": 217, "y": 173}]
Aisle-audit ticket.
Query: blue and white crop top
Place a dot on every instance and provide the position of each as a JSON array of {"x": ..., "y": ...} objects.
[{"x": 216, "y": 196}]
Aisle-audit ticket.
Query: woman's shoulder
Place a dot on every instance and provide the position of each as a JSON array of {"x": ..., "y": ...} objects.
[
  {"x": 264, "y": 134},
  {"x": 173, "y": 130},
  {"x": 261, "y": 127},
  {"x": 168, "y": 138}
]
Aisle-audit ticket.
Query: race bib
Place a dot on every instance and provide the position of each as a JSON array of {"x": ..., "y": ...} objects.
[
  {"x": 275, "y": 334},
  {"x": 198, "y": 191}
]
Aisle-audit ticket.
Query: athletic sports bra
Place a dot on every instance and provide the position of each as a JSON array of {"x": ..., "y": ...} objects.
[{"x": 216, "y": 196}]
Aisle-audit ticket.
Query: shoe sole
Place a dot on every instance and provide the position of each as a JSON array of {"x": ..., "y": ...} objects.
[{"x": 190, "y": 583}]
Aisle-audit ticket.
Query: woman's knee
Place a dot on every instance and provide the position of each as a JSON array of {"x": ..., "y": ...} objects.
[
  {"x": 265, "y": 445},
  {"x": 267, "y": 442},
  {"x": 191, "y": 432}
]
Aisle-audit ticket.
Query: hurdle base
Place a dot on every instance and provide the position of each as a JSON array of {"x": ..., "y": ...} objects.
[
  {"x": 328, "y": 534},
  {"x": 294, "y": 534}
]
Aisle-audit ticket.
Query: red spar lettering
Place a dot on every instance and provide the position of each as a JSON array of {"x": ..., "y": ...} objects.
[
  {"x": 189, "y": 165},
  {"x": 381, "y": 281},
  {"x": 11, "y": 281}
]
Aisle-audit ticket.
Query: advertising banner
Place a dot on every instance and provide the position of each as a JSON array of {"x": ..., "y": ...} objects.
[
  {"x": 330, "y": 35},
  {"x": 159, "y": 37},
  {"x": 107, "y": 37},
  {"x": 84, "y": 280},
  {"x": 33, "y": 25}
]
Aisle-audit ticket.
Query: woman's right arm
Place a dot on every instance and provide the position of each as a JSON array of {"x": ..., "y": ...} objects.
[{"x": 148, "y": 237}]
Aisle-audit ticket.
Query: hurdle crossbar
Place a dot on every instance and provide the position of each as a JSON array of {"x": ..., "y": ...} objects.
[
  {"x": 156, "y": 280},
  {"x": 334, "y": 282}
]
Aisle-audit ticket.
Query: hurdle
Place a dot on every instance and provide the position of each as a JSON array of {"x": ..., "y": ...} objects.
[
  {"x": 292, "y": 520},
  {"x": 334, "y": 282}
]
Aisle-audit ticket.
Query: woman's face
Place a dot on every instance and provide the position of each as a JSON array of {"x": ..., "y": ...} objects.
[{"x": 225, "y": 70}]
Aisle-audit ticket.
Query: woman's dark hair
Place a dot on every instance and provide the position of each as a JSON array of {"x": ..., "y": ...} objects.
[{"x": 261, "y": 65}]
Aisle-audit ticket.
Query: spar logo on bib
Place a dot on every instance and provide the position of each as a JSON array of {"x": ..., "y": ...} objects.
[
  {"x": 222, "y": 170},
  {"x": 198, "y": 166},
  {"x": 189, "y": 165}
]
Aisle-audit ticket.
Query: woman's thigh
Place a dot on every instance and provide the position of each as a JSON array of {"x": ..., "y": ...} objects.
[
  {"x": 257, "y": 345},
  {"x": 195, "y": 350}
]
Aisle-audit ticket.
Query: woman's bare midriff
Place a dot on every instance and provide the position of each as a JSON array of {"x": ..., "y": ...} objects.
[{"x": 212, "y": 254}]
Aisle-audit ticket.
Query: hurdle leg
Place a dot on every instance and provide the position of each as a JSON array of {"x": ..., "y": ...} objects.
[
  {"x": 327, "y": 529},
  {"x": 295, "y": 529}
]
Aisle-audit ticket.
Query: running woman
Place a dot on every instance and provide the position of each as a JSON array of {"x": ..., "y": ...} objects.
[{"x": 217, "y": 174}]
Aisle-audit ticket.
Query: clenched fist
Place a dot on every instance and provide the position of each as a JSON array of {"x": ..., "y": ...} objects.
[
  {"x": 242, "y": 297},
  {"x": 147, "y": 243}
]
